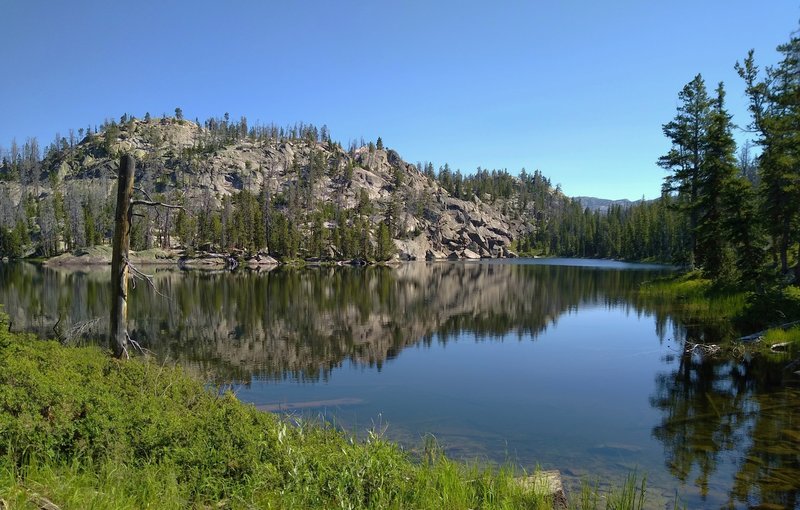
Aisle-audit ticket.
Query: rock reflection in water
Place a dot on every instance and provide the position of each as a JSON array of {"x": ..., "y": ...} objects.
[
  {"x": 729, "y": 430},
  {"x": 301, "y": 324}
]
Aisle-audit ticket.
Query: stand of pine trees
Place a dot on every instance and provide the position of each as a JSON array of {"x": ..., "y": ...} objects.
[{"x": 738, "y": 221}]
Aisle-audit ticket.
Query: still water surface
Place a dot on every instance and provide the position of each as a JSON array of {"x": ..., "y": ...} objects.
[{"x": 558, "y": 363}]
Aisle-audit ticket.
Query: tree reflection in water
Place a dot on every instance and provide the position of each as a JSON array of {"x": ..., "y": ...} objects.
[
  {"x": 732, "y": 428},
  {"x": 744, "y": 414},
  {"x": 303, "y": 323}
]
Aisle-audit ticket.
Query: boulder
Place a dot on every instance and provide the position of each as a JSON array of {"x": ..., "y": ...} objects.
[
  {"x": 266, "y": 260},
  {"x": 470, "y": 255},
  {"x": 261, "y": 260},
  {"x": 432, "y": 254},
  {"x": 415, "y": 248},
  {"x": 546, "y": 483},
  {"x": 453, "y": 256},
  {"x": 479, "y": 240}
]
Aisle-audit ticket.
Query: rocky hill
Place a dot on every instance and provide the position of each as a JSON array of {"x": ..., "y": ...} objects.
[{"x": 300, "y": 178}]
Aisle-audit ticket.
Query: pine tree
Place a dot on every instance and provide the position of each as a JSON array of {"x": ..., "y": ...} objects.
[
  {"x": 775, "y": 109},
  {"x": 687, "y": 134},
  {"x": 385, "y": 248},
  {"x": 717, "y": 171}
]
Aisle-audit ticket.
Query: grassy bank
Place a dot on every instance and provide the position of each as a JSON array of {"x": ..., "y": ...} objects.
[
  {"x": 696, "y": 298},
  {"x": 86, "y": 431},
  {"x": 79, "y": 429},
  {"x": 776, "y": 336}
]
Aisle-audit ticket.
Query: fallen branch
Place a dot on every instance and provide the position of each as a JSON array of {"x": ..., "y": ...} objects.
[
  {"x": 755, "y": 337},
  {"x": 66, "y": 337},
  {"x": 706, "y": 349},
  {"x": 780, "y": 347},
  {"x": 41, "y": 502}
]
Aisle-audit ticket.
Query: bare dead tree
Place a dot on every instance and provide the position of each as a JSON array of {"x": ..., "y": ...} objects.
[{"x": 120, "y": 262}]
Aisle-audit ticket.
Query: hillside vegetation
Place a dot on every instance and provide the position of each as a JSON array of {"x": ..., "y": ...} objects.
[{"x": 291, "y": 193}]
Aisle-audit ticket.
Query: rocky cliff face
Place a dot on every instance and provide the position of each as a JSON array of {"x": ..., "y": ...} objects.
[
  {"x": 180, "y": 159},
  {"x": 199, "y": 166}
]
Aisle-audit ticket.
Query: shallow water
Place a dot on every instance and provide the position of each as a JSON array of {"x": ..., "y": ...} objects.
[{"x": 552, "y": 362}]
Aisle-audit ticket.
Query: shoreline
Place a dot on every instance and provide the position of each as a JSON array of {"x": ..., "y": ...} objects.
[{"x": 101, "y": 255}]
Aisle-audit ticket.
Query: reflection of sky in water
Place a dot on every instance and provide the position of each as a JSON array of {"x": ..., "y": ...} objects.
[
  {"x": 575, "y": 397},
  {"x": 557, "y": 362}
]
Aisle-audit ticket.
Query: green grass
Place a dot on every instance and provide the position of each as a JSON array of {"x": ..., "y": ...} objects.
[
  {"x": 85, "y": 431},
  {"x": 696, "y": 297},
  {"x": 778, "y": 336}
]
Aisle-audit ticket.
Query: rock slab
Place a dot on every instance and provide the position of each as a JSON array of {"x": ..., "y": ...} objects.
[{"x": 546, "y": 482}]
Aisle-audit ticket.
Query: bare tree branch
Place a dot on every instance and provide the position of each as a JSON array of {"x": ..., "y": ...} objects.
[
  {"x": 136, "y": 344},
  {"x": 143, "y": 192},
  {"x": 146, "y": 277},
  {"x": 151, "y": 203}
]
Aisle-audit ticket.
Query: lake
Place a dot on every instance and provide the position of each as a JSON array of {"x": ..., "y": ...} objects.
[{"x": 557, "y": 363}]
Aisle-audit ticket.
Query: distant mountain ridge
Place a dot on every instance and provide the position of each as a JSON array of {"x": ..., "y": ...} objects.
[{"x": 603, "y": 204}]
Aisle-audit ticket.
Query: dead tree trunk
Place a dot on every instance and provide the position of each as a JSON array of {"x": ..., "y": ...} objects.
[{"x": 118, "y": 337}]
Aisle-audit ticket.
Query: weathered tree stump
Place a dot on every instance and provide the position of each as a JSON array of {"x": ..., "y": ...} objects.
[{"x": 118, "y": 336}]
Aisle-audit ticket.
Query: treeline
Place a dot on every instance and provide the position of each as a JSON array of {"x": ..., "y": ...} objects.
[
  {"x": 267, "y": 223},
  {"x": 646, "y": 230},
  {"x": 245, "y": 221},
  {"x": 743, "y": 228},
  {"x": 521, "y": 195}
]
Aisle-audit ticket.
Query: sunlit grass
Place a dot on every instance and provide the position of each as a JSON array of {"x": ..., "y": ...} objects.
[
  {"x": 696, "y": 297},
  {"x": 81, "y": 430},
  {"x": 782, "y": 336}
]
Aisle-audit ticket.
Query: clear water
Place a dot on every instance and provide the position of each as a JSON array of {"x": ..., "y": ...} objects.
[{"x": 557, "y": 363}]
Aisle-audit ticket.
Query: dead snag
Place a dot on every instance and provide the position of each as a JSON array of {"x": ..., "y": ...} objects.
[{"x": 119, "y": 258}]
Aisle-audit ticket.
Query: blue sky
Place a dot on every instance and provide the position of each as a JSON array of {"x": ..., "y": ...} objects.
[{"x": 577, "y": 89}]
